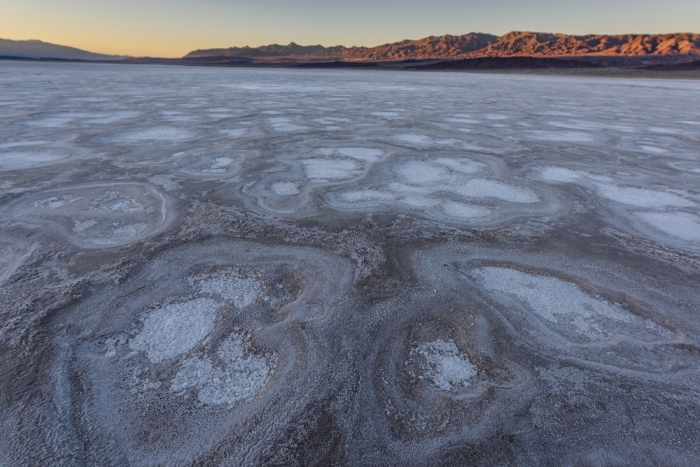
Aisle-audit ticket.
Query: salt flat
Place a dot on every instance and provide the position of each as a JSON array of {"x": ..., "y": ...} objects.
[{"x": 300, "y": 267}]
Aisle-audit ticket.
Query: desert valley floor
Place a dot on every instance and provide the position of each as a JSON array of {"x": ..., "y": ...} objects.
[{"x": 321, "y": 267}]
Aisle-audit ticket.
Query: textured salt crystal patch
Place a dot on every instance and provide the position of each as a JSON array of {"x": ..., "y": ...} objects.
[
  {"x": 21, "y": 160},
  {"x": 420, "y": 173},
  {"x": 175, "y": 329},
  {"x": 364, "y": 154},
  {"x": 238, "y": 377},
  {"x": 284, "y": 189},
  {"x": 11, "y": 258},
  {"x": 480, "y": 188},
  {"x": 682, "y": 225},
  {"x": 414, "y": 138},
  {"x": 460, "y": 210},
  {"x": 81, "y": 226},
  {"x": 446, "y": 367},
  {"x": 242, "y": 291},
  {"x": 119, "y": 233},
  {"x": 55, "y": 202},
  {"x": 555, "y": 300},
  {"x": 115, "y": 201},
  {"x": 158, "y": 134},
  {"x": 641, "y": 197},
  {"x": 330, "y": 168}
]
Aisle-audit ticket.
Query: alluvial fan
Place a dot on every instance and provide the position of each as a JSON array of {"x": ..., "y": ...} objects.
[{"x": 290, "y": 267}]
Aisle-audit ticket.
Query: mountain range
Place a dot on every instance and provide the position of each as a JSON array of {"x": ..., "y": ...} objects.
[
  {"x": 36, "y": 49},
  {"x": 477, "y": 45}
]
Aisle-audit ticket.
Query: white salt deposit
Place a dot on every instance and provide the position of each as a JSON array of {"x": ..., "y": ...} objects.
[
  {"x": 554, "y": 300},
  {"x": 653, "y": 149},
  {"x": 414, "y": 138},
  {"x": 115, "y": 201},
  {"x": 55, "y": 202},
  {"x": 461, "y": 210},
  {"x": 641, "y": 197},
  {"x": 446, "y": 367},
  {"x": 480, "y": 188},
  {"x": 284, "y": 189},
  {"x": 22, "y": 160},
  {"x": 158, "y": 134},
  {"x": 420, "y": 173},
  {"x": 560, "y": 174},
  {"x": 330, "y": 168},
  {"x": 242, "y": 291},
  {"x": 220, "y": 162},
  {"x": 175, "y": 329},
  {"x": 237, "y": 377},
  {"x": 682, "y": 225}
]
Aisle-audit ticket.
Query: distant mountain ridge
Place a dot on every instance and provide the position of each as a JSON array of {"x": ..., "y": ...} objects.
[
  {"x": 476, "y": 45},
  {"x": 39, "y": 49}
]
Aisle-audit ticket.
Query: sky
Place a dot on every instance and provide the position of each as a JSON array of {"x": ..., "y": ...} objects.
[{"x": 172, "y": 28}]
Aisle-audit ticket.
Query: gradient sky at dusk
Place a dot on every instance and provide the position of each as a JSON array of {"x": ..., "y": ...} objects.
[{"x": 170, "y": 28}]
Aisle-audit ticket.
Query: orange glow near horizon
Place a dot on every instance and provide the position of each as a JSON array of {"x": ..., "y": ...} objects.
[{"x": 172, "y": 28}]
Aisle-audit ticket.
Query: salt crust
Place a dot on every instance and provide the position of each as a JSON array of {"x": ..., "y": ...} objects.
[
  {"x": 242, "y": 291},
  {"x": 284, "y": 189},
  {"x": 21, "y": 160},
  {"x": 446, "y": 367},
  {"x": 174, "y": 329},
  {"x": 325, "y": 169},
  {"x": 682, "y": 225},
  {"x": 561, "y": 303},
  {"x": 158, "y": 134},
  {"x": 237, "y": 376}
]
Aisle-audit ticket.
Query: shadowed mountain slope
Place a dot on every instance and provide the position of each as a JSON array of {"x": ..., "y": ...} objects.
[{"x": 39, "y": 49}]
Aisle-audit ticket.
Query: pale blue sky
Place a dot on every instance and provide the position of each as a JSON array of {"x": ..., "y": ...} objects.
[{"x": 173, "y": 28}]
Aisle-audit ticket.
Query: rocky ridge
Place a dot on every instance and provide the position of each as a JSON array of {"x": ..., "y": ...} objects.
[{"x": 475, "y": 45}]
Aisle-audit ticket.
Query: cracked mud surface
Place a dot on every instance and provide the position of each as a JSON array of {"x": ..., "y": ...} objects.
[{"x": 282, "y": 267}]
